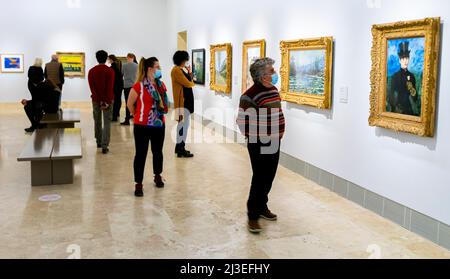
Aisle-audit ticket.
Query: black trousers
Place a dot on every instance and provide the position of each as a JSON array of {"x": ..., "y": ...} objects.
[
  {"x": 35, "y": 112},
  {"x": 126, "y": 92},
  {"x": 143, "y": 136},
  {"x": 117, "y": 103},
  {"x": 264, "y": 168}
]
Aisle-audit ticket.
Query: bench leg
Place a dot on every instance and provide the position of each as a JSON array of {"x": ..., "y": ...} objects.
[
  {"x": 41, "y": 173},
  {"x": 63, "y": 172}
]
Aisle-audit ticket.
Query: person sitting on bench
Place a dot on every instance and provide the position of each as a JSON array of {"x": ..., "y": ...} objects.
[{"x": 44, "y": 99}]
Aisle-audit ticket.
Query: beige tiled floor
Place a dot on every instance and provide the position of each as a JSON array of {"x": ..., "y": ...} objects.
[{"x": 200, "y": 213}]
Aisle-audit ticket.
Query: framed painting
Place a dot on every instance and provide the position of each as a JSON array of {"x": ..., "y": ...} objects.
[
  {"x": 306, "y": 71},
  {"x": 198, "y": 65},
  {"x": 403, "y": 78},
  {"x": 12, "y": 63},
  {"x": 251, "y": 50},
  {"x": 220, "y": 68},
  {"x": 73, "y": 63}
]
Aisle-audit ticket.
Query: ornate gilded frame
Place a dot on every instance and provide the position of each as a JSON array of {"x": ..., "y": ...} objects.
[
  {"x": 423, "y": 125},
  {"x": 82, "y": 73},
  {"x": 321, "y": 102},
  {"x": 245, "y": 46},
  {"x": 220, "y": 88}
]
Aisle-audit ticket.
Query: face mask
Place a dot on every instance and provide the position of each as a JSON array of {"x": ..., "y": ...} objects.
[
  {"x": 275, "y": 78},
  {"x": 158, "y": 74}
]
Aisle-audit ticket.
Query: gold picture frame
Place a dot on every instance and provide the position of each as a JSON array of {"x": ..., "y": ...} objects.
[
  {"x": 381, "y": 114},
  {"x": 221, "y": 83},
  {"x": 301, "y": 95},
  {"x": 74, "y": 64},
  {"x": 261, "y": 44}
]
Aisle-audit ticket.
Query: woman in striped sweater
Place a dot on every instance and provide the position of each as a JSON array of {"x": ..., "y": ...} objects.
[{"x": 262, "y": 122}]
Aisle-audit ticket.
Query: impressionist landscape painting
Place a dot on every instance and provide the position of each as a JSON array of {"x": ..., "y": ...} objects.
[
  {"x": 253, "y": 53},
  {"x": 307, "y": 71},
  {"x": 221, "y": 67},
  {"x": 198, "y": 66}
]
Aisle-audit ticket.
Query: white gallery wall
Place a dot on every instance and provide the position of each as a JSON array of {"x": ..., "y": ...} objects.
[
  {"x": 410, "y": 170},
  {"x": 40, "y": 28}
]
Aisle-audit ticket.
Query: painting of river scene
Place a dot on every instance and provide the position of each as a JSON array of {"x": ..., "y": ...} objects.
[{"x": 307, "y": 71}]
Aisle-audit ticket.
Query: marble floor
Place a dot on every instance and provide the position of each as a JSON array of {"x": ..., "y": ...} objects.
[{"x": 200, "y": 214}]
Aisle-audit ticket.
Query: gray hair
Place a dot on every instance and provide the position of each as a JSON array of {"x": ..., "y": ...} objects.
[
  {"x": 38, "y": 62},
  {"x": 259, "y": 67},
  {"x": 54, "y": 57}
]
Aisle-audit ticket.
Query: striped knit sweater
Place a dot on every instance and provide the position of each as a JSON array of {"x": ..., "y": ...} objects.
[{"x": 260, "y": 114}]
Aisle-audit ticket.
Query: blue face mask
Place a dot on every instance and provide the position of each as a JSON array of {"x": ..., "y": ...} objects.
[
  {"x": 158, "y": 74},
  {"x": 275, "y": 78}
]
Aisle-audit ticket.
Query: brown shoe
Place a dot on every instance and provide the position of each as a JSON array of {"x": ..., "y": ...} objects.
[
  {"x": 159, "y": 183},
  {"x": 268, "y": 215},
  {"x": 139, "y": 192},
  {"x": 254, "y": 227}
]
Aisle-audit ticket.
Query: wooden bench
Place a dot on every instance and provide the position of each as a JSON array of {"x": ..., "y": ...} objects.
[
  {"x": 51, "y": 153},
  {"x": 65, "y": 118}
]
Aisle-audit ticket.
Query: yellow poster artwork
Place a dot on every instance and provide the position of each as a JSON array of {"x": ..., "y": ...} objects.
[{"x": 73, "y": 63}]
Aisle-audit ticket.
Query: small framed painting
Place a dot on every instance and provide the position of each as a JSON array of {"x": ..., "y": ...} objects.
[
  {"x": 12, "y": 63},
  {"x": 251, "y": 50},
  {"x": 220, "y": 68},
  {"x": 306, "y": 71},
  {"x": 198, "y": 65},
  {"x": 405, "y": 57},
  {"x": 73, "y": 63}
]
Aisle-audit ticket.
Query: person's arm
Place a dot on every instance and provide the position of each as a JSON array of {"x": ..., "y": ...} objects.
[
  {"x": 110, "y": 88},
  {"x": 91, "y": 83},
  {"x": 132, "y": 98},
  {"x": 61, "y": 73},
  {"x": 181, "y": 79},
  {"x": 41, "y": 74}
]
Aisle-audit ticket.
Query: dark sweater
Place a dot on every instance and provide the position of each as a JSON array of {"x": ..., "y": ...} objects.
[
  {"x": 35, "y": 74},
  {"x": 118, "y": 78},
  {"x": 101, "y": 83},
  {"x": 260, "y": 113}
]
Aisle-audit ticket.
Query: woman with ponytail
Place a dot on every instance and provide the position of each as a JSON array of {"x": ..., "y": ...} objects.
[{"x": 148, "y": 104}]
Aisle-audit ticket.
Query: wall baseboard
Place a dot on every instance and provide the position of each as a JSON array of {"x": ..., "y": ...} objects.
[{"x": 408, "y": 218}]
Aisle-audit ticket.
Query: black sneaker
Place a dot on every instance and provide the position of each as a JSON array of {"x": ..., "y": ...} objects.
[
  {"x": 30, "y": 130},
  {"x": 185, "y": 154},
  {"x": 105, "y": 150},
  {"x": 99, "y": 145},
  {"x": 125, "y": 123},
  {"x": 139, "y": 190},
  {"x": 159, "y": 183}
]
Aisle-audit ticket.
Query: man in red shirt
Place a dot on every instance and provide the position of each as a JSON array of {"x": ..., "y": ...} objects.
[{"x": 101, "y": 83}]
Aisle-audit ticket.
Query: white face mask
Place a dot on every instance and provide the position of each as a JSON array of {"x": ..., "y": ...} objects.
[{"x": 187, "y": 64}]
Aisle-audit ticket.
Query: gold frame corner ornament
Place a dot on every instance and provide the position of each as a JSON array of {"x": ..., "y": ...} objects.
[
  {"x": 245, "y": 46},
  {"x": 423, "y": 125},
  {"x": 82, "y": 74},
  {"x": 215, "y": 87},
  {"x": 320, "y": 102}
]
